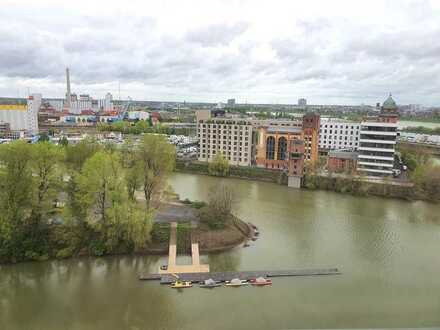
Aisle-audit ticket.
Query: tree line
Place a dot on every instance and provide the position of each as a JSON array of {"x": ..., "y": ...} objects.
[
  {"x": 88, "y": 198},
  {"x": 142, "y": 126}
]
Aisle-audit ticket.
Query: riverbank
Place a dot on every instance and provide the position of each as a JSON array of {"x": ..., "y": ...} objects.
[
  {"x": 240, "y": 172},
  {"x": 349, "y": 185},
  {"x": 361, "y": 187},
  {"x": 60, "y": 236}
]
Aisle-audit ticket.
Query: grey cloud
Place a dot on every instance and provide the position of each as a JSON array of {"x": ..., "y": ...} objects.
[
  {"x": 216, "y": 35},
  {"x": 323, "y": 58}
]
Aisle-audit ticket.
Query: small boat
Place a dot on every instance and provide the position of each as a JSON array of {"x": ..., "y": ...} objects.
[
  {"x": 181, "y": 285},
  {"x": 236, "y": 282},
  {"x": 209, "y": 283},
  {"x": 246, "y": 244},
  {"x": 260, "y": 281},
  {"x": 254, "y": 238}
]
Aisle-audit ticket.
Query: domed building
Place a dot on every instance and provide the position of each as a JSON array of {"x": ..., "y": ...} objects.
[{"x": 389, "y": 106}]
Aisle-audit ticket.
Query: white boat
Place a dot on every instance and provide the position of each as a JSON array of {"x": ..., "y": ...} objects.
[
  {"x": 209, "y": 283},
  {"x": 236, "y": 282}
]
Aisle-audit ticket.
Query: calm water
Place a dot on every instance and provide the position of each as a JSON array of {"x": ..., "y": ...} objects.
[{"x": 388, "y": 250}]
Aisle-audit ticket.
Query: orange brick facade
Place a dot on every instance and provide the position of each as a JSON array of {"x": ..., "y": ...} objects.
[
  {"x": 288, "y": 148},
  {"x": 341, "y": 165}
]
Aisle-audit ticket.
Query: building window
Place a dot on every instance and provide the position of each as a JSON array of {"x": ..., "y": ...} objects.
[
  {"x": 270, "y": 147},
  {"x": 282, "y": 148}
]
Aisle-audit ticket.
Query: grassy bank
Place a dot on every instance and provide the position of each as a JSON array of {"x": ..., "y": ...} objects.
[
  {"x": 358, "y": 187},
  {"x": 242, "y": 172}
]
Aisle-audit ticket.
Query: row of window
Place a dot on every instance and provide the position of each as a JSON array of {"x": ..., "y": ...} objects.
[
  {"x": 226, "y": 127},
  {"x": 340, "y": 138},
  {"x": 324, "y": 145},
  {"x": 339, "y": 126},
  {"x": 340, "y": 132},
  {"x": 235, "y": 159}
]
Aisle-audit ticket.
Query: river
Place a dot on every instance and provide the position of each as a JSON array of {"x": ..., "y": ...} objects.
[{"x": 388, "y": 251}]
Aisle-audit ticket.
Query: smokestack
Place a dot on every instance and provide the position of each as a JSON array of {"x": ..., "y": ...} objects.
[{"x": 68, "y": 97}]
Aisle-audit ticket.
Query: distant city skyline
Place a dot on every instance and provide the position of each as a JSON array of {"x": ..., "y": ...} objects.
[{"x": 267, "y": 52}]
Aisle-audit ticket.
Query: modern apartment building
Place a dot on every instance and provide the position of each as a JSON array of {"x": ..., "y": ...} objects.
[
  {"x": 231, "y": 137},
  {"x": 377, "y": 141},
  {"x": 336, "y": 134}
]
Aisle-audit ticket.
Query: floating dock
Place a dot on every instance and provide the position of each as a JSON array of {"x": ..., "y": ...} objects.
[{"x": 245, "y": 275}]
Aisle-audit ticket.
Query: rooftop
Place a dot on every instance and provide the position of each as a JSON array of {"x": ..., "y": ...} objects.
[
  {"x": 389, "y": 104},
  {"x": 281, "y": 129}
]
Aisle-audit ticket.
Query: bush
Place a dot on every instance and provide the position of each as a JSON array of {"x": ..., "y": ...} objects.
[
  {"x": 97, "y": 248},
  {"x": 183, "y": 237},
  {"x": 219, "y": 166},
  {"x": 65, "y": 253},
  {"x": 198, "y": 204},
  {"x": 160, "y": 233}
]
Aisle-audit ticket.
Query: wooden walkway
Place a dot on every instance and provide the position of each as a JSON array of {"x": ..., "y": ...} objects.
[
  {"x": 245, "y": 275},
  {"x": 173, "y": 268}
]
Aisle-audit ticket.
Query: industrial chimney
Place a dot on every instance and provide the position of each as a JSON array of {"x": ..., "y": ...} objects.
[{"x": 68, "y": 95}]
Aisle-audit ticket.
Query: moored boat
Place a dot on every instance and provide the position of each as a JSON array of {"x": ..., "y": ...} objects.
[
  {"x": 260, "y": 281},
  {"x": 236, "y": 282},
  {"x": 209, "y": 283},
  {"x": 181, "y": 285}
]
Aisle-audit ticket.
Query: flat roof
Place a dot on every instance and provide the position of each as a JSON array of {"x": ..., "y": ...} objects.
[{"x": 281, "y": 129}]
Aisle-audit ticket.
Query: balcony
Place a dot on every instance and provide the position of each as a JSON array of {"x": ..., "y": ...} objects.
[
  {"x": 296, "y": 155},
  {"x": 391, "y": 151},
  {"x": 375, "y": 157},
  {"x": 390, "y": 165},
  {"x": 378, "y": 133},
  {"x": 370, "y": 170},
  {"x": 377, "y": 141}
]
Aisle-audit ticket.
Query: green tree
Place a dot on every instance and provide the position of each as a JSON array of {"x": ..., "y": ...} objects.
[
  {"x": 142, "y": 126},
  {"x": 100, "y": 185},
  {"x": 132, "y": 168},
  {"x": 43, "y": 137},
  {"x": 219, "y": 166},
  {"x": 427, "y": 180},
  {"x": 77, "y": 154},
  {"x": 120, "y": 222},
  {"x": 156, "y": 158},
  {"x": 63, "y": 141},
  {"x": 45, "y": 162},
  {"x": 15, "y": 197},
  {"x": 219, "y": 209}
]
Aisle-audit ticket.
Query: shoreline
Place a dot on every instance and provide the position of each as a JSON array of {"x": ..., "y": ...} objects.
[
  {"x": 154, "y": 250},
  {"x": 350, "y": 186}
]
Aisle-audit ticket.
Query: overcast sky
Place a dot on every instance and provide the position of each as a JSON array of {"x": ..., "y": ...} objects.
[{"x": 330, "y": 52}]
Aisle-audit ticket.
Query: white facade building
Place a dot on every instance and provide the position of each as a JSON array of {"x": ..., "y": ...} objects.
[
  {"x": 138, "y": 115},
  {"x": 22, "y": 117},
  {"x": 335, "y": 134},
  {"x": 377, "y": 141},
  {"x": 228, "y": 136},
  {"x": 108, "y": 102},
  {"x": 377, "y": 147}
]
